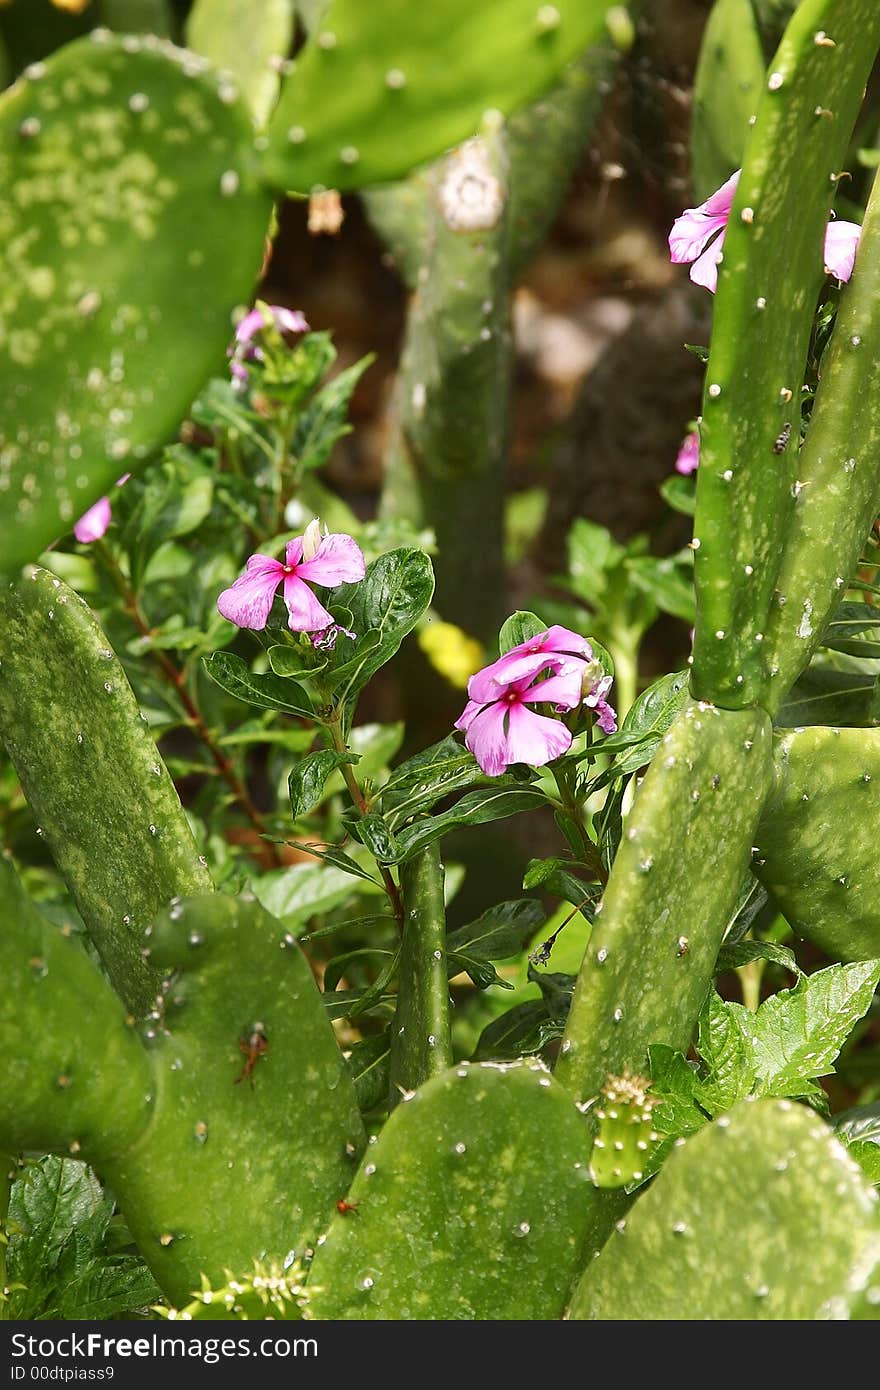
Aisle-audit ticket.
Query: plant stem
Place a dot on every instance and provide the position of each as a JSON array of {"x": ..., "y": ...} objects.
[
  {"x": 421, "y": 1044},
  {"x": 570, "y": 804},
  {"x": 177, "y": 679},
  {"x": 362, "y": 806}
]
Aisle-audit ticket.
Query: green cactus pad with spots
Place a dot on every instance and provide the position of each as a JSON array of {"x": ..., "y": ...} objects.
[
  {"x": 767, "y": 287},
  {"x": 74, "y": 1075},
  {"x": 133, "y": 225},
  {"x": 839, "y": 471},
  {"x": 817, "y": 840},
  {"x": 272, "y": 1151},
  {"x": 474, "y": 1203},
  {"x": 92, "y": 774},
  {"x": 248, "y": 41},
  {"x": 381, "y": 88},
  {"x": 669, "y": 899},
  {"x": 761, "y": 1215}
]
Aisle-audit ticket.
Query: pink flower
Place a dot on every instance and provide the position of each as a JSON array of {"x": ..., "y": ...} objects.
[
  {"x": 262, "y": 316},
  {"x": 688, "y": 460},
  {"x": 94, "y": 523},
  {"x": 328, "y": 560},
  {"x": 504, "y": 730},
  {"x": 692, "y": 233},
  {"x": 555, "y": 667}
]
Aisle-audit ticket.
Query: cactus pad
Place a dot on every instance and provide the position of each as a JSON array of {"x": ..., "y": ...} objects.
[
  {"x": 761, "y": 1215},
  {"x": 92, "y": 774},
  {"x": 475, "y": 1202},
  {"x": 817, "y": 840},
  {"x": 672, "y": 896},
  {"x": 381, "y": 88},
  {"x": 134, "y": 226}
]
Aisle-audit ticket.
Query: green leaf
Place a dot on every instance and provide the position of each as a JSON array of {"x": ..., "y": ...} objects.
[
  {"x": 410, "y": 81},
  {"x": 306, "y": 782},
  {"x": 867, "y": 1156},
  {"x": 679, "y": 1086},
  {"x": 266, "y": 692},
  {"x": 60, "y": 1261},
  {"x": 521, "y": 1032},
  {"x": 368, "y": 1063},
  {"x": 555, "y": 876},
  {"x": 324, "y": 421},
  {"x": 476, "y": 808},
  {"x": 666, "y": 582},
  {"x": 384, "y": 607},
  {"x": 304, "y": 891},
  {"x": 242, "y": 40},
  {"x": 438, "y": 771},
  {"x": 726, "y": 1051},
  {"x": 647, "y": 721},
  {"x": 860, "y": 1122},
  {"x": 502, "y": 931},
  {"x": 519, "y": 627},
  {"x": 295, "y": 663},
  {"x": 118, "y": 292},
  {"x": 825, "y": 696},
  {"x": 679, "y": 494},
  {"x": 735, "y": 954},
  {"x": 373, "y": 832},
  {"x": 799, "y": 1032}
]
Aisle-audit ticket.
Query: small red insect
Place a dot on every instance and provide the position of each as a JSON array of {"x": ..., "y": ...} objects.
[
  {"x": 254, "y": 1045},
  {"x": 344, "y": 1207}
]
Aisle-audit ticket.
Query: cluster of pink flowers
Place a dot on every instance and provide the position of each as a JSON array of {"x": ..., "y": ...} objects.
[
  {"x": 245, "y": 347},
  {"x": 324, "y": 558},
  {"x": 691, "y": 239},
  {"x": 555, "y": 668}
]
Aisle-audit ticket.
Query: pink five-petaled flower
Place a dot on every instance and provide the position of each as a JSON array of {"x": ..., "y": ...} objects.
[
  {"x": 688, "y": 459},
  {"x": 94, "y": 523},
  {"x": 555, "y": 667},
  {"x": 328, "y": 560},
  {"x": 692, "y": 232},
  {"x": 245, "y": 349}
]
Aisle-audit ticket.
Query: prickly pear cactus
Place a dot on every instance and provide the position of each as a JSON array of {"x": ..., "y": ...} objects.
[
  {"x": 235, "y": 1100},
  {"x": 92, "y": 774},
  {"x": 767, "y": 285},
  {"x": 761, "y": 1215},
  {"x": 266, "y": 1291},
  {"x": 838, "y": 473},
  {"x": 421, "y": 1045},
  {"x": 249, "y": 42},
  {"x": 254, "y": 1113},
  {"x": 474, "y": 1202},
  {"x": 816, "y": 844},
  {"x": 381, "y": 88},
  {"x": 727, "y": 85},
  {"x": 674, "y": 898},
  {"x": 625, "y": 1131},
  {"x": 131, "y": 165}
]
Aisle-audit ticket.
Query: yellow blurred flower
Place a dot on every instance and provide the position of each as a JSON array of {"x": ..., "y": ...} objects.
[
  {"x": 72, "y": 6},
  {"x": 451, "y": 651}
]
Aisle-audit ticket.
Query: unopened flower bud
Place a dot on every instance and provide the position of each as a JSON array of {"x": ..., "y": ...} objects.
[{"x": 311, "y": 540}]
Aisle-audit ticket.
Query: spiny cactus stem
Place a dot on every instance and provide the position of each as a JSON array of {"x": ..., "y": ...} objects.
[
  {"x": 362, "y": 806},
  {"x": 421, "y": 1045},
  {"x": 177, "y": 679}
]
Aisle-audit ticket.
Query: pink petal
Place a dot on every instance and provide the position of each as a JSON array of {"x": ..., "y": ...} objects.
[
  {"x": 692, "y": 230},
  {"x": 486, "y": 740},
  {"x": 688, "y": 460},
  {"x": 516, "y": 663},
  {"x": 841, "y": 244},
  {"x": 468, "y": 715},
  {"x": 563, "y": 690},
  {"x": 249, "y": 600},
  {"x": 289, "y": 320},
  {"x": 704, "y": 270},
  {"x": 306, "y": 613},
  {"x": 252, "y": 324},
  {"x": 606, "y": 718},
  {"x": 338, "y": 560},
  {"x": 562, "y": 639},
  {"x": 93, "y": 524},
  {"x": 293, "y": 551},
  {"x": 534, "y": 739},
  {"x": 492, "y": 681}
]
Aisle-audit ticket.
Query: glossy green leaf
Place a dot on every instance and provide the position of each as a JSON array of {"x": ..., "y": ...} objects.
[
  {"x": 306, "y": 782},
  {"x": 266, "y": 691},
  {"x": 476, "y": 808}
]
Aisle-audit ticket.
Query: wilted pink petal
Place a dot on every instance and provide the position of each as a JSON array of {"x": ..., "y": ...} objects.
[
  {"x": 93, "y": 524},
  {"x": 692, "y": 230},
  {"x": 688, "y": 460},
  {"x": 606, "y": 718},
  {"x": 338, "y": 560},
  {"x": 704, "y": 270},
  {"x": 306, "y": 614},
  {"x": 841, "y": 244},
  {"x": 248, "y": 602},
  {"x": 289, "y": 320}
]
